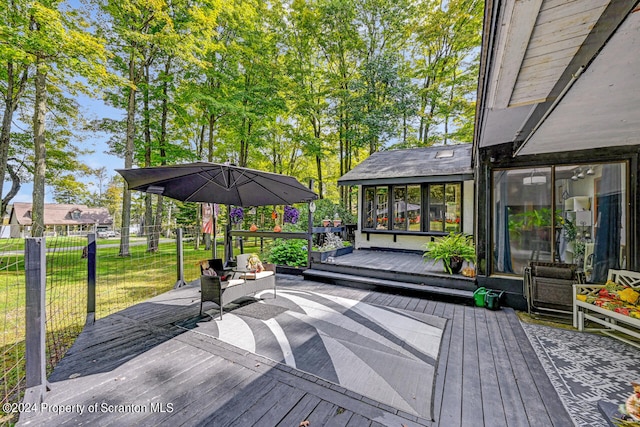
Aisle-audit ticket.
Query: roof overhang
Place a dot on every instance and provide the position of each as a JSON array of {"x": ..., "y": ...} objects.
[
  {"x": 559, "y": 75},
  {"x": 409, "y": 180}
]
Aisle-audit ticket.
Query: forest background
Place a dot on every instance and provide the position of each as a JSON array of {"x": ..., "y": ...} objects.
[{"x": 304, "y": 88}]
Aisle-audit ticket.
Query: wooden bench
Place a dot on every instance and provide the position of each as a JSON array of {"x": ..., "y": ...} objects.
[
  {"x": 585, "y": 306},
  {"x": 222, "y": 293}
]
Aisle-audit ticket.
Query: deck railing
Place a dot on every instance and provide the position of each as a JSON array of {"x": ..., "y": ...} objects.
[{"x": 72, "y": 281}]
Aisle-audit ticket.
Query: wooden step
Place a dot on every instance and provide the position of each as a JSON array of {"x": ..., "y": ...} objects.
[{"x": 381, "y": 284}]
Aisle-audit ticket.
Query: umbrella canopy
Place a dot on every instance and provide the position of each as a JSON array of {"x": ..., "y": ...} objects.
[{"x": 218, "y": 183}]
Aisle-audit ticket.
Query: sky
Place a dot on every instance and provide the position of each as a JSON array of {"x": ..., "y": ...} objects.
[{"x": 93, "y": 109}]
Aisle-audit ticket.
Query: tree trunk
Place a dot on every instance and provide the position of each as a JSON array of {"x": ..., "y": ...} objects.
[
  {"x": 320, "y": 184},
  {"x": 12, "y": 96},
  {"x": 128, "y": 159},
  {"x": 40, "y": 150},
  {"x": 157, "y": 223},
  {"x": 146, "y": 123}
]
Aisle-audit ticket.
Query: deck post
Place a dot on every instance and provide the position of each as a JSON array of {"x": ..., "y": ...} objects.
[
  {"x": 35, "y": 349},
  {"x": 180, "y": 260},
  {"x": 91, "y": 279},
  {"x": 310, "y": 226}
]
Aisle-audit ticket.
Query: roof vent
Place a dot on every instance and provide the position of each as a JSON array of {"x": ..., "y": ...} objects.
[{"x": 444, "y": 154}]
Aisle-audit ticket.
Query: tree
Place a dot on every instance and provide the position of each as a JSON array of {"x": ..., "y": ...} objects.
[
  {"x": 16, "y": 66},
  {"x": 61, "y": 50},
  {"x": 446, "y": 50}
]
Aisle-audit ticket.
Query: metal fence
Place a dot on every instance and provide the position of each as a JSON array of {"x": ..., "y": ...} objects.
[
  {"x": 12, "y": 320},
  {"x": 148, "y": 269}
]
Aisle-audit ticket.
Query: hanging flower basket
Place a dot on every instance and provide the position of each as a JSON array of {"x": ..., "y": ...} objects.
[
  {"x": 291, "y": 215},
  {"x": 236, "y": 215}
]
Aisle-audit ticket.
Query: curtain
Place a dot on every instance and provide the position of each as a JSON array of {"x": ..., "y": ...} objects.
[
  {"x": 502, "y": 252},
  {"x": 607, "y": 244}
]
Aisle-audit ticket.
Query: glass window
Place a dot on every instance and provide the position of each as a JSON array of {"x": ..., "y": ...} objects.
[
  {"x": 413, "y": 207},
  {"x": 579, "y": 218},
  {"x": 382, "y": 208},
  {"x": 453, "y": 199},
  {"x": 369, "y": 208},
  {"x": 522, "y": 218},
  {"x": 436, "y": 207},
  {"x": 399, "y": 208},
  {"x": 405, "y": 204}
]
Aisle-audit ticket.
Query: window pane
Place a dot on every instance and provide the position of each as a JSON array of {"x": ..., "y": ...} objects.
[
  {"x": 436, "y": 208},
  {"x": 453, "y": 196},
  {"x": 522, "y": 219},
  {"x": 399, "y": 208},
  {"x": 382, "y": 208},
  {"x": 591, "y": 200},
  {"x": 413, "y": 207},
  {"x": 369, "y": 205}
]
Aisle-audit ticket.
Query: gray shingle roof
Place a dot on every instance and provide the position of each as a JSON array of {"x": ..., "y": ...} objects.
[
  {"x": 60, "y": 214},
  {"x": 412, "y": 165}
]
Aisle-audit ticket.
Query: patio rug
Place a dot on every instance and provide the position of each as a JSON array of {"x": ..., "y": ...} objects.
[
  {"x": 585, "y": 368},
  {"x": 386, "y": 354}
]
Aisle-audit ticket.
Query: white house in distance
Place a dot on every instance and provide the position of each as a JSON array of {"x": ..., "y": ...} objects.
[
  {"x": 61, "y": 219},
  {"x": 407, "y": 197}
]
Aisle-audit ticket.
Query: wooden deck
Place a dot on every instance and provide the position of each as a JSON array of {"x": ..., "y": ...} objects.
[
  {"x": 138, "y": 367},
  {"x": 389, "y": 270}
]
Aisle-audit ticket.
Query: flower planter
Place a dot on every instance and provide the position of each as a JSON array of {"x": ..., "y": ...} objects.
[{"x": 317, "y": 256}]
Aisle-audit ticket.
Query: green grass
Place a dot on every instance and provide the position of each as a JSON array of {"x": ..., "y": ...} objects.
[{"x": 120, "y": 283}]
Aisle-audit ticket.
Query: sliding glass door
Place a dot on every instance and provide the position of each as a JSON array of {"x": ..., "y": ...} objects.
[{"x": 572, "y": 214}]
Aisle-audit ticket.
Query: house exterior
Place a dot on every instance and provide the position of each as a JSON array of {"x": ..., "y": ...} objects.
[
  {"x": 64, "y": 219},
  {"x": 409, "y": 196},
  {"x": 557, "y": 139}
]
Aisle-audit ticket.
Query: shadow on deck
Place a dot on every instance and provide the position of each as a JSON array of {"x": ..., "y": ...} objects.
[{"x": 393, "y": 271}]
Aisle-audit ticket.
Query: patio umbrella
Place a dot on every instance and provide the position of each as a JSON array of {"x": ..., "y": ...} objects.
[{"x": 218, "y": 183}]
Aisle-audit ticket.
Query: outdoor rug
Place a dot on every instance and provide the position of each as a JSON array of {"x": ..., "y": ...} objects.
[
  {"x": 386, "y": 354},
  {"x": 585, "y": 368}
]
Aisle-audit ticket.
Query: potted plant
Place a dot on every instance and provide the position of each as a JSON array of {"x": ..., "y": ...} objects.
[
  {"x": 452, "y": 250},
  {"x": 333, "y": 246},
  {"x": 336, "y": 220}
]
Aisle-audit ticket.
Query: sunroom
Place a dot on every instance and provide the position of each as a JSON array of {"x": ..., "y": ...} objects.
[{"x": 409, "y": 196}]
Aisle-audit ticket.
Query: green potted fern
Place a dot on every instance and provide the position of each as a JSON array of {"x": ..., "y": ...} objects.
[{"x": 452, "y": 250}]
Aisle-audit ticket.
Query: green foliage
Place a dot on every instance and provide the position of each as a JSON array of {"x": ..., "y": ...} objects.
[
  {"x": 308, "y": 89},
  {"x": 291, "y": 252},
  {"x": 187, "y": 213},
  {"x": 454, "y": 246},
  {"x": 325, "y": 208}
]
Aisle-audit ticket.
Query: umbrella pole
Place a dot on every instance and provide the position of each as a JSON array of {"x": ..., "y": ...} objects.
[
  {"x": 228, "y": 243},
  {"x": 215, "y": 237}
]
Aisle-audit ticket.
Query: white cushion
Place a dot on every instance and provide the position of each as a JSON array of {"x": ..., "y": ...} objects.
[
  {"x": 234, "y": 282},
  {"x": 253, "y": 276}
]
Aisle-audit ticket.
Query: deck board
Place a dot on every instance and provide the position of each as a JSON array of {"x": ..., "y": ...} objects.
[
  {"x": 471, "y": 380},
  {"x": 493, "y": 414},
  {"x": 511, "y": 399},
  {"x": 487, "y": 373}
]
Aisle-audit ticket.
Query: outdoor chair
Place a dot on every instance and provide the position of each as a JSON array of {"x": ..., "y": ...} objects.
[
  {"x": 217, "y": 265},
  {"x": 212, "y": 288},
  {"x": 549, "y": 286},
  {"x": 241, "y": 264}
]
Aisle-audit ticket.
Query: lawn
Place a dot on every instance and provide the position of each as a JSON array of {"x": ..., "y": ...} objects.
[{"x": 120, "y": 283}]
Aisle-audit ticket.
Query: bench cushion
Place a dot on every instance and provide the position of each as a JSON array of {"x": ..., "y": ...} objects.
[
  {"x": 232, "y": 282},
  {"x": 260, "y": 275},
  {"x": 610, "y": 299}
]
